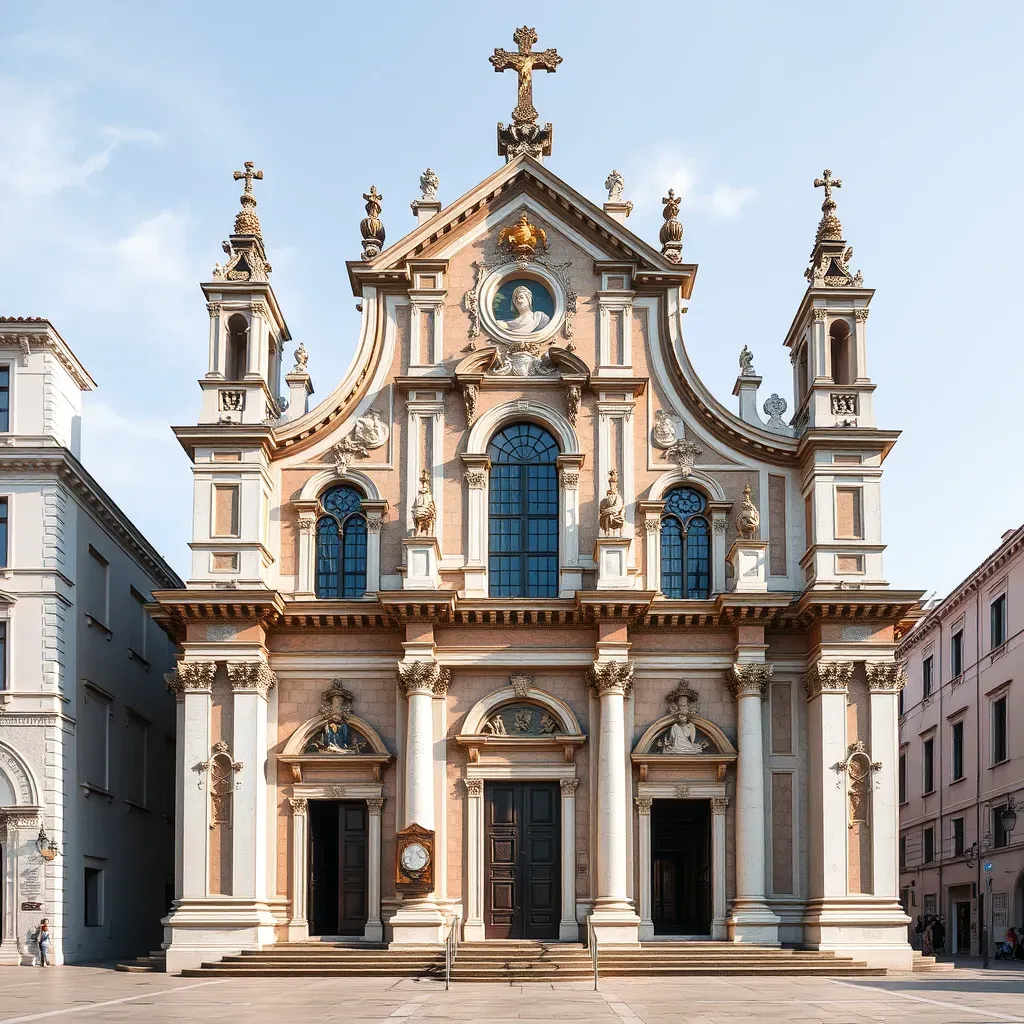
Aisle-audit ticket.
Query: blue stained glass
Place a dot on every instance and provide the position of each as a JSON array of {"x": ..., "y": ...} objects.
[
  {"x": 523, "y": 513},
  {"x": 685, "y": 546},
  {"x": 341, "y": 545}
]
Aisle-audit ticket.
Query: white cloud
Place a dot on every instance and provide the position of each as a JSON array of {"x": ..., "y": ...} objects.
[
  {"x": 726, "y": 201},
  {"x": 155, "y": 252}
]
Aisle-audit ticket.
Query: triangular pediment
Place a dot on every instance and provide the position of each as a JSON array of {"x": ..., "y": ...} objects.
[{"x": 522, "y": 183}]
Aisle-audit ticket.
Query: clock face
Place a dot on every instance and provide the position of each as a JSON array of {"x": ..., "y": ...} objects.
[{"x": 415, "y": 857}]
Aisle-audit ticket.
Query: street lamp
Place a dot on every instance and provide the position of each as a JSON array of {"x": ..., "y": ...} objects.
[
  {"x": 972, "y": 854},
  {"x": 1008, "y": 816},
  {"x": 47, "y": 847}
]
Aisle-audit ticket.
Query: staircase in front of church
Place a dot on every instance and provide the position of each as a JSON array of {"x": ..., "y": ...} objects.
[{"x": 523, "y": 961}]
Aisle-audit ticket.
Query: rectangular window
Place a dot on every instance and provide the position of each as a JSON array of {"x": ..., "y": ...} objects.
[
  {"x": 929, "y": 766},
  {"x": 929, "y": 845},
  {"x": 94, "y": 735},
  {"x": 903, "y": 778},
  {"x": 926, "y": 676},
  {"x": 900, "y": 709},
  {"x": 958, "y": 750},
  {"x": 136, "y": 758},
  {"x": 3, "y": 655},
  {"x": 97, "y": 587},
  {"x": 903, "y": 853},
  {"x": 3, "y": 533},
  {"x": 225, "y": 510},
  {"x": 849, "y": 513},
  {"x": 1000, "y": 836},
  {"x": 956, "y": 653},
  {"x": 5, "y": 398},
  {"x": 138, "y": 625},
  {"x": 958, "y": 837},
  {"x": 808, "y": 521},
  {"x": 93, "y": 892},
  {"x": 999, "y": 752},
  {"x": 997, "y": 622}
]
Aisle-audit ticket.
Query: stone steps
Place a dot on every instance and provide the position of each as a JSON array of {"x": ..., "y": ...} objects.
[
  {"x": 929, "y": 964},
  {"x": 154, "y": 963}
]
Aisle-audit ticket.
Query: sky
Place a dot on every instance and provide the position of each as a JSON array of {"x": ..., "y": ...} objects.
[{"x": 121, "y": 125}]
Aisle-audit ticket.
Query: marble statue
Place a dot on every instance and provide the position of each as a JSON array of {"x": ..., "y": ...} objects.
[
  {"x": 682, "y": 739},
  {"x": 665, "y": 431},
  {"x": 424, "y": 511},
  {"x": 612, "y": 510},
  {"x": 527, "y": 319}
]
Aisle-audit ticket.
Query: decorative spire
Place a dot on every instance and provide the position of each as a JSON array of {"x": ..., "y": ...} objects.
[
  {"x": 525, "y": 134},
  {"x": 671, "y": 234},
  {"x": 830, "y": 257},
  {"x": 371, "y": 226},
  {"x": 429, "y": 184},
  {"x": 246, "y": 221}
]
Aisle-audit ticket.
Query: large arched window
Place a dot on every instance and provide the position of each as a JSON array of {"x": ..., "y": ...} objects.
[
  {"x": 523, "y": 513},
  {"x": 685, "y": 545},
  {"x": 341, "y": 544}
]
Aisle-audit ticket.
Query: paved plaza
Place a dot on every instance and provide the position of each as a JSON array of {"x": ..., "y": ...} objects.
[{"x": 97, "y": 994}]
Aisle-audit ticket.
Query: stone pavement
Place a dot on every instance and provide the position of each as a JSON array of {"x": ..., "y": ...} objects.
[{"x": 89, "y": 994}]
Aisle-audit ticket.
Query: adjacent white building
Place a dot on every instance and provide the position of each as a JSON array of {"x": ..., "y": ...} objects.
[{"x": 86, "y": 727}]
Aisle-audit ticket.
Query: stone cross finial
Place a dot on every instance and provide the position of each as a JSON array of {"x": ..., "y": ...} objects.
[
  {"x": 827, "y": 182},
  {"x": 671, "y": 234},
  {"x": 371, "y": 226},
  {"x": 249, "y": 175},
  {"x": 523, "y": 62},
  {"x": 246, "y": 221}
]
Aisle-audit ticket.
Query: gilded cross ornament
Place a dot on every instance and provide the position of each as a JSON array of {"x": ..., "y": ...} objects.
[
  {"x": 523, "y": 61},
  {"x": 246, "y": 221}
]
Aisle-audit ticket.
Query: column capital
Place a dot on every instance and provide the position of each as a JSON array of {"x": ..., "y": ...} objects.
[
  {"x": 423, "y": 677},
  {"x": 828, "y": 677},
  {"x": 474, "y": 787},
  {"x": 191, "y": 676},
  {"x": 611, "y": 677},
  {"x": 375, "y": 805},
  {"x": 747, "y": 679},
  {"x": 299, "y": 805},
  {"x": 885, "y": 676},
  {"x": 643, "y": 804},
  {"x": 719, "y": 804},
  {"x": 569, "y": 786},
  {"x": 251, "y": 676}
]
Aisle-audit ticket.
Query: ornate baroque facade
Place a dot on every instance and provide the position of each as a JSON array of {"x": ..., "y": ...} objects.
[{"x": 521, "y": 588}]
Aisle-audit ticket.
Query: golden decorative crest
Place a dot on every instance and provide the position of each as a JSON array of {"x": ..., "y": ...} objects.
[{"x": 522, "y": 238}]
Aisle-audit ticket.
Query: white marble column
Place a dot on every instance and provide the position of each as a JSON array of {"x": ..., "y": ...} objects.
[
  {"x": 719, "y": 925},
  {"x": 568, "y": 927},
  {"x": 643, "y": 807},
  {"x": 374, "y": 931},
  {"x": 719, "y": 526},
  {"x": 751, "y": 920},
  {"x": 885, "y": 680},
  {"x": 298, "y": 923},
  {"x": 419, "y": 920},
  {"x": 473, "y": 930},
  {"x": 613, "y": 916}
]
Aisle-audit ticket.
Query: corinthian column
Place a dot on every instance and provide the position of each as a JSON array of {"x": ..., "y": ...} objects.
[
  {"x": 613, "y": 916},
  {"x": 751, "y": 920}
]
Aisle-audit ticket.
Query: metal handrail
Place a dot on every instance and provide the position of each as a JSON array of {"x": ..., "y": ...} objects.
[
  {"x": 592, "y": 943},
  {"x": 451, "y": 951}
]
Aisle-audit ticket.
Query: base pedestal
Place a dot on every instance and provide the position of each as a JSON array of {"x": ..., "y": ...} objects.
[
  {"x": 753, "y": 921},
  {"x": 422, "y": 562},
  {"x": 749, "y": 564},
  {"x": 418, "y": 923},
  {"x": 615, "y": 923},
  {"x": 865, "y": 928},
  {"x": 204, "y": 931},
  {"x": 612, "y": 557}
]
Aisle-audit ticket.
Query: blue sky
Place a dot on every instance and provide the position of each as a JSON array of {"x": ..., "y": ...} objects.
[{"x": 120, "y": 126}]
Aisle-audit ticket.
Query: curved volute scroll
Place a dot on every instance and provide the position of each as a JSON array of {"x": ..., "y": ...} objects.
[
  {"x": 335, "y": 739},
  {"x": 683, "y": 739},
  {"x": 520, "y": 717}
]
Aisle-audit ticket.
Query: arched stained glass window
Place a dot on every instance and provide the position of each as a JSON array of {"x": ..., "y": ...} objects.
[
  {"x": 685, "y": 545},
  {"x": 341, "y": 544},
  {"x": 523, "y": 513}
]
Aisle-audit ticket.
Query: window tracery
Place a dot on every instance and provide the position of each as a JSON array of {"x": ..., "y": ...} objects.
[
  {"x": 341, "y": 544},
  {"x": 685, "y": 545}
]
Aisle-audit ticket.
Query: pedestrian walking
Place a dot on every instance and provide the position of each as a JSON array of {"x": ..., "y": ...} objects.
[{"x": 43, "y": 942}]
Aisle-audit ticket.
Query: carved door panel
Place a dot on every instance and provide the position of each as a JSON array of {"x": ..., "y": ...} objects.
[
  {"x": 522, "y": 860},
  {"x": 352, "y": 878},
  {"x": 664, "y": 881},
  {"x": 681, "y": 866},
  {"x": 338, "y": 841}
]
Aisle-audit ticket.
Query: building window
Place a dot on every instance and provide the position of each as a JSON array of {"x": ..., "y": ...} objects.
[
  {"x": 926, "y": 676},
  {"x": 929, "y": 845},
  {"x": 138, "y": 626},
  {"x": 997, "y": 622},
  {"x": 956, "y": 653},
  {"x": 97, "y": 587},
  {"x": 94, "y": 736},
  {"x": 523, "y": 513},
  {"x": 3, "y": 533},
  {"x": 900, "y": 709},
  {"x": 999, "y": 730},
  {"x": 1000, "y": 835},
  {"x": 137, "y": 759},
  {"x": 929, "y": 766},
  {"x": 903, "y": 853},
  {"x": 5, "y": 398},
  {"x": 849, "y": 513},
  {"x": 685, "y": 546},
  {"x": 93, "y": 894},
  {"x": 3, "y": 654},
  {"x": 903, "y": 778},
  {"x": 958, "y": 837},
  {"x": 958, "y": 751},
  {"x": 341, "y": 545}
]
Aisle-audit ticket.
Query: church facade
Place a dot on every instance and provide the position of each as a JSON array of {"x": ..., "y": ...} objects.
[{"x": 520, "y": 630}]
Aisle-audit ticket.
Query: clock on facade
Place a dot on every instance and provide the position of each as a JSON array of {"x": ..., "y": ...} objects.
[{"x": 415, "y": 856}]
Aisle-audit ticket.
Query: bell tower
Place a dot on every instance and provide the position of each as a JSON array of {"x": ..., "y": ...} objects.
[{"x": 247, "y": 329}]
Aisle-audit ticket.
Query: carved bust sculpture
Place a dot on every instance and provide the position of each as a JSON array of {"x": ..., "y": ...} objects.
[{"x": 527, "y": 319}]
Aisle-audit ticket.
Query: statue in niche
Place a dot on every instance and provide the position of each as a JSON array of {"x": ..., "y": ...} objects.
[
  {"x": 335, "y": 738},
  {"x": 681, "y": 738},
  {"x": 495, "y": 726},
  {"x": 527, "y": 320},
  {"x": 612, "y": 509}
]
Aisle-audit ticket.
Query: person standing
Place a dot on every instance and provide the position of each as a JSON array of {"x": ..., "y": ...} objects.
[
  {"x": 938, "y": 936},
  {"x": 926, "y": 937},
  {"x": 43, "y": 942}
]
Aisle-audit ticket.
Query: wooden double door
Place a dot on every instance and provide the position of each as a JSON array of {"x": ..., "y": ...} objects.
[
  {"x": 522, "y": 860},
  {"x": 338, "y": 843},
  {"x": 681, "y": 868}
]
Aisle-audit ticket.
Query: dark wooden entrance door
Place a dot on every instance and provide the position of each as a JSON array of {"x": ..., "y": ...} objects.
[
  {"x": 337, "y": 867},
  {"x": 963, "y": 927},
  {"x": 522, "y": 860},
  {"x": 681, "y": 868}
]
